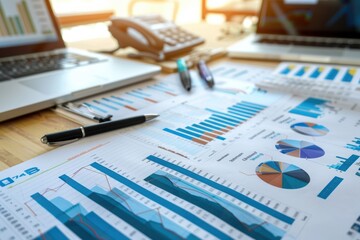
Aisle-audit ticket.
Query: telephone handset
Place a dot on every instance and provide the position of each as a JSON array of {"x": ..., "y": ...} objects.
[{"x": 153, "y": 36}]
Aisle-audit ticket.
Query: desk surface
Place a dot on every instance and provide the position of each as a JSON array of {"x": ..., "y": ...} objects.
[{"x": 20, "y": 137}]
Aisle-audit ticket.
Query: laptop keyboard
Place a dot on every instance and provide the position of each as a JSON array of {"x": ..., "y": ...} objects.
[
  {"x": 310, "y": 43},
  {"x": 22, "y": 67}
]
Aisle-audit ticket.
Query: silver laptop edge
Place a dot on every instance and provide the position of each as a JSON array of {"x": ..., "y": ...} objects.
[
  {"x": 250, "y": 48},
  {"x": 24, "y": 95}
]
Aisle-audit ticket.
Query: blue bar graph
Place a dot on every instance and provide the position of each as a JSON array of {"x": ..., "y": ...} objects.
[
  {"x": 311, "y": 107},
  {"x": 205, "y": 133},
  {"x": 330, "y": 187},
  {"x": 349, "y": 75},
  {"x": 150, "y": 229},
  {"x": 287, "y": 70},
  {"x": 317, "y": 72},
  {"x": 120, "y": 103},
  {"x": 52, "y": 234},
  {"x": 85, "y": 225},
  {"x": 355, "y": 145},
  {"x": 332, "y": 74},
  {"x": 301, "y": 72},
  {"x": 231, "y": 192},
  {"x": 240, "y": 219},
  {"x": 218, "y": 123},
  {"x": 345, "y": 163}
]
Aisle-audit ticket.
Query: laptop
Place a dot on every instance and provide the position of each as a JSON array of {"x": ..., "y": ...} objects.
[
  {"x": 37, "y": 71},
  {"x": 326, "y": 31}
]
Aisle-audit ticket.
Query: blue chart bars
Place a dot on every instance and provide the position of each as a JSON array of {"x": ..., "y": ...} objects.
[
  {"x": 345, "y": 163},
  {"x": 225, "y": 210},
  {"x": 118, "y": 103},
  {"x": 155, "y": 229},
  {"x": 332, "y": 74},
  {"x": 311, "y": 107},
  {"x": 355, "y": 145},
  {"x": 218, "y": 124},
  {"x": 330, "y": 187},
  {"x": 235, "y": 216},
  {"x": 85, "y": 225}
]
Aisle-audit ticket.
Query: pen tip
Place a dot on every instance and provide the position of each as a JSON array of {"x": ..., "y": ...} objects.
[{"x": 151, "y": 116}]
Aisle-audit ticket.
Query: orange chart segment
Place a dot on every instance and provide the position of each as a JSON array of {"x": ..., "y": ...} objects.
[
  {"x": 299, "y": 149},
  {"x": 282, "y": 175},
  {"x": 310, "y": 129}
]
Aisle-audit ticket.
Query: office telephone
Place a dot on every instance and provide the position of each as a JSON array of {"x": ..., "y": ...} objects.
[{"x": 153, "y": 36}]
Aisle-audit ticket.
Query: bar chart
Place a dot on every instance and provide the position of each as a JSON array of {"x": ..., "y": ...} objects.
[
  {"x": 349, "y": 75},
  {"x": 354, "y": 145},
  {"x": 324, "y": 73},
  {"x": 302, "y": 71},
  {"x": 240, "y": 219},
  {"x": 330, "y": 188},
  {"x": 151, "y": 225},
  {"x": 288, "y": 69},
  {"x": 19, "y": 23},
  {"x": 200, "y": 190},
  {"x": 311, "y": 107},
  {"x": 119, "y": 103},
  {"x": 344, "y": 163},
  {"x": 316, "y": 73},
  {"x": 332, "y": 74},
  {"x": 218, "y": 123},
  {"x": 78, "y": 201}
]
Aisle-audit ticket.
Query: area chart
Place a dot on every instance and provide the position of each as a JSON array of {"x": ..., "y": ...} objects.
[{"x": 310, "y": 129}]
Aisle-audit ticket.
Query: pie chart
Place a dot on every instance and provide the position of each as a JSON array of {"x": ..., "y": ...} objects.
[
  {"x": 282, "y": 175},
  {"x": 310, "y": 129},
  {"x": 299, "y": 149}
]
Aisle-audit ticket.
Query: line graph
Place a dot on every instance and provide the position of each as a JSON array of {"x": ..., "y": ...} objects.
[
  {"x": 150, "y": 221},
  {"x": 86, "y": 225},
  {"x": 228, "y": 212}
]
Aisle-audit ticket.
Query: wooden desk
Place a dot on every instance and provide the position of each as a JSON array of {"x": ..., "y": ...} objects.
[{"x": 20, "y": 137}]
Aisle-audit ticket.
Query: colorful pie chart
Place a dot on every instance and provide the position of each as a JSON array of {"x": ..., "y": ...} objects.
[
  {"x": 282, "y": 175},
  {"x": 299, "y": 149},
  {"x": 310, "y": 129}
]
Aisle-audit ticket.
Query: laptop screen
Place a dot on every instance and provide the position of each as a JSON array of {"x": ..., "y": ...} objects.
[
  {"x": 324, "y": 18},
  {"x": 27, "y": 25}
]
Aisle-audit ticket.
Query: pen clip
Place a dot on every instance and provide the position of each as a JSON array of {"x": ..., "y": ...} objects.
[
  {"x": 60, "y": 143},
  {"x": 90, "y": 114}
]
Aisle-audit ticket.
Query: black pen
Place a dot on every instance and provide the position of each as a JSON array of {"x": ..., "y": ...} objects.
[
  {"x": 68, "y": 136},
  {"x": 205, "y": 73},
  {"x": 184, "y": 74}
]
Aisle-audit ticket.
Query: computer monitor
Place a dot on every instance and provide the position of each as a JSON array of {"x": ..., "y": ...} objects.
[{"x": 324, "y": 18}]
